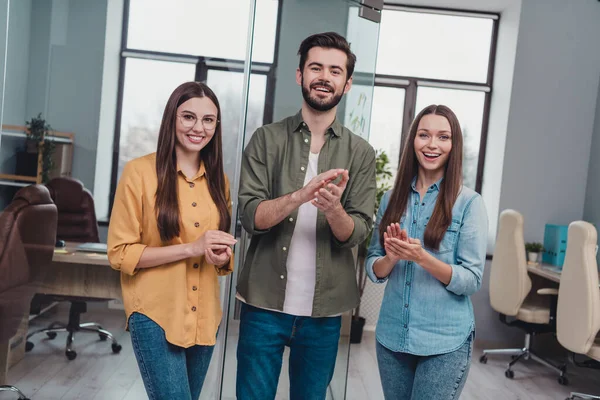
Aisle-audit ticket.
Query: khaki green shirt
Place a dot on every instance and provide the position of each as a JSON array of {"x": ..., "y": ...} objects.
[{"x": 273, "y": 165}]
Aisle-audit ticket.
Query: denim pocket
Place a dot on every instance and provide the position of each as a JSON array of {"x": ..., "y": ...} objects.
[{"x": 449, "y": 240}]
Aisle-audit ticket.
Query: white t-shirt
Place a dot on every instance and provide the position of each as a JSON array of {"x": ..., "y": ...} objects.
[{"x": 302, "y": 254}]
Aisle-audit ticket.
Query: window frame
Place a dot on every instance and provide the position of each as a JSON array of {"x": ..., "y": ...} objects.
[
  {"x": 411, "y": 83},
  {"x": 203, "y": 65}
]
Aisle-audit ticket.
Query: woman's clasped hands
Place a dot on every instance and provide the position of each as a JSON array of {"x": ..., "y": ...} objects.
[{"x": 398, "y": 246}]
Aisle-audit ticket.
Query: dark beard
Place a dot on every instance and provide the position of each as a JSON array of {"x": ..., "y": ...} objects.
[{"x": 317, "y": 104}]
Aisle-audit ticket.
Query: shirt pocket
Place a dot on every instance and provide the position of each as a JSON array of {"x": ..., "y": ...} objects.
[{"x": 448, "y": 242}]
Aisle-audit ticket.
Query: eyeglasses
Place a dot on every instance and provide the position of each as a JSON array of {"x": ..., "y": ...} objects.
[{"x": 209, "y": 122}]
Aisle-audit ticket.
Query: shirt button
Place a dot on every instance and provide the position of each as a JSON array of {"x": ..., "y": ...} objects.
[
  {"x": 196, "y": 265},
  {"x": 407, "y": 283},
  {"x": 282, "y": 277},
  {"x": 406, "y": 305},
  {"x": 192, "y": 184},
  {"x": 194, "y": 204},
  {"x": 422, "y": 204},
  {"x": 302, "y": 168},
  {"x": 194, "y": 308},
  {"x": 196, "y": 224},
  {"x": 305, "y": 140},
  {"x": 416, "y": 203},
  {"x": 414, "y": 221},
  {"x": 405, "y": 326},
  {"x": 194, "y": 288},
  {"x": 291, "y": 219},
  {"x": 284, "y": 249}
]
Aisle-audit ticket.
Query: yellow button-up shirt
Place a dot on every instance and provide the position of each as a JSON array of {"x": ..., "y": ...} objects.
[{"x": 182, "y": 297}]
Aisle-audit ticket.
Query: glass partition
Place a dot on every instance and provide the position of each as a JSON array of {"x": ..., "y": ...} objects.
[{"x": 102, "y": 70}]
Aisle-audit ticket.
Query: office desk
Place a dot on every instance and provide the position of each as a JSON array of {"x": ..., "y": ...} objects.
[
  {"x": 71, "y": 273},
  {"x": 77, "y": 273},
  {"x": 545, "y": 271}
]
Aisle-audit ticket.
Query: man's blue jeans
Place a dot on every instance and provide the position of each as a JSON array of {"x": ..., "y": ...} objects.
[
  {"x": 168, "y": 371},
  {"x": 409, "y": 377},
  {"x": 313, "y": 344}
]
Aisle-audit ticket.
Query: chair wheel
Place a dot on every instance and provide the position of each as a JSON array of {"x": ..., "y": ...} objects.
[
  {"x": 71, "y": 354},
  {"x": 29, "y": 346},
  {"x": 563, "y": 380},
  {"x": 116, "y": 348},
  {"x": 509, "y": 373},
  {"x": 51, "y": 335},
  {"x": 483, "y": 359},
  {"x": 102, "y": 337}
]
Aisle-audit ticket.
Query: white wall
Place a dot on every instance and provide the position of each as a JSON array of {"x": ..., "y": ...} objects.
[
  {"x": 553, "y": 106},
  {"x": 591, "y": 211}
]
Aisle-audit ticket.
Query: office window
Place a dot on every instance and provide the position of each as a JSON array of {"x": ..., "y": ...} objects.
[
  {"x": 429, "y": 56},
  {"x": 168, "y": 43}
]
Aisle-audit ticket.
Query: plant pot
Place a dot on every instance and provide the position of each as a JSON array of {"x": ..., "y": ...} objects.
[
  {"x": 533, "y": 256},
  {"x": 27, "y": 163},
  {"x": 356, "y": 329}
]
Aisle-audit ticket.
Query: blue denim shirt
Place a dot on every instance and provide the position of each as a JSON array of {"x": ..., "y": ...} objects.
[{"x": 419, "y": 314}]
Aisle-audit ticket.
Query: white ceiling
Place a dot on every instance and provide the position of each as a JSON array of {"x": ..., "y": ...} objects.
[{"x": 474, "y": 5}]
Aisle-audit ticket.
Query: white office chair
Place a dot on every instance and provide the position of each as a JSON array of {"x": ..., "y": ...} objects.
[
  {"x": 510, "y": 295},
  {"x": 578, "y": 313}
]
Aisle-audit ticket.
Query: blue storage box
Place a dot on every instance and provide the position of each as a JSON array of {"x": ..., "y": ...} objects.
[{"x": 555, "y": 244}]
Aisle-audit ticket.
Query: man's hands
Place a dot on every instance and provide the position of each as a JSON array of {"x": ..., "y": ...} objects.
[
  {"x": 327, "y": 198},
  {"x": 398, "y": 246},
  {"x": 308, "y": 192}
]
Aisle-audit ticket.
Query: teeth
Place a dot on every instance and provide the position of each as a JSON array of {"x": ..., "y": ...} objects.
[
  {"x": 431, "y": 155},
  {"x": 321, "y": 89}
]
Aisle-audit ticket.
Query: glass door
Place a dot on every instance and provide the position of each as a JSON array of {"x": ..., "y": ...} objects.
[{"x": 296, "y": 20}]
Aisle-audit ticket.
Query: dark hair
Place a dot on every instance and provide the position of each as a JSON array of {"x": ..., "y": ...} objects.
[
  {"x": 449, "y": 188},
  {"x": 167, "y": 202},
  {"x": 328, "y": 40}
]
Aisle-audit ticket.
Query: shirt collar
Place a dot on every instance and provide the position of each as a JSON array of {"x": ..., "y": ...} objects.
[
  {"x": 436, "y": 185},
  {"x": 201, "y": 172},
  {"x": 335, "y": 127}
]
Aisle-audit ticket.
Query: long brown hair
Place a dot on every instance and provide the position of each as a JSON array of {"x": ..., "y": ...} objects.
[
  {"x": 167, "y": 201},
  {"x": 449, "y": 188}
]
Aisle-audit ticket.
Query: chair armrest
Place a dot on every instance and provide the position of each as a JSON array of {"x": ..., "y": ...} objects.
[{"x": 548, "y": 291}]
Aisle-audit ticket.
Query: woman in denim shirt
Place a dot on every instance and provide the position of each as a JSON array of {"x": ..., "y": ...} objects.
[{"x": 429, "y": 244}]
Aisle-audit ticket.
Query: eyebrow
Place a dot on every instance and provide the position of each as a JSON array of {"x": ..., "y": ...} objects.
[
  {"x": 427, "y": 130},
  {"x": 194, "y": 114},
  {"x": 321, "y": 65}
]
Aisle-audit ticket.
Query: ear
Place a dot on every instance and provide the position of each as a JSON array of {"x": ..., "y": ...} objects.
[
  {"x": 298, "y": 77},
  {"x": 348, "y": 85}
]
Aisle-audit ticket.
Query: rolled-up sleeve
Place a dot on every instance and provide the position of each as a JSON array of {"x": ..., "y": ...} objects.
[
  {"x": 470, "y": 250},
  {"x": 124, "y": 230},
  {"x": 254, "y": 182},
  {"x": 375, "y": 251},
  {"x": 227, "y": 268},
  {"x": 360, "y": 201}
]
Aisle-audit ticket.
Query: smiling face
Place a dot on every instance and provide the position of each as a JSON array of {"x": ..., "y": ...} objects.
[
  {"x": 433, "y": 143},
  {"x": 195, "y": 124},
  {"x": 324, "y": 78}
]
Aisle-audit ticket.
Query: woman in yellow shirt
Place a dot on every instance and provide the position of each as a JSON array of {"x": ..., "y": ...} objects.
[{"x": 168, "y": 237}]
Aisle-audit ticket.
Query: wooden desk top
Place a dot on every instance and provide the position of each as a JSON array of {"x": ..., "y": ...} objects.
[
  {"x": 545, "y": 271},
  {"x": 69, "y": 254}
]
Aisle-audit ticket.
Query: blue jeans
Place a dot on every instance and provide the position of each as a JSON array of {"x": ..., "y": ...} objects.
[
  {"x": 168, "y": 371},
  {"x": 410, "y": 377},
  {"x": 313, "y": 344}
]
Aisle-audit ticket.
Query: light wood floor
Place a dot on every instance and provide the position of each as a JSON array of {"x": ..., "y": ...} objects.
[{"x": 46, "y": 374}]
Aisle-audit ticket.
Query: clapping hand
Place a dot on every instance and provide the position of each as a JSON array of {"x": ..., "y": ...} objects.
[{"x": 398, "y": 246}]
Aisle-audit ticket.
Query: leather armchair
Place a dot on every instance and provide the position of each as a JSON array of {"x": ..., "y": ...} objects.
[
  {"x": 76, "y": 223},
  {"x": 27, "y": 237}
]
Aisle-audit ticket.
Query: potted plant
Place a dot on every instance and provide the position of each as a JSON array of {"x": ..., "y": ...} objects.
[
  {"x": 533, "y": 250},
  {"x": 382, "y": 175},
  {"x": 27, "y": 159}
]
